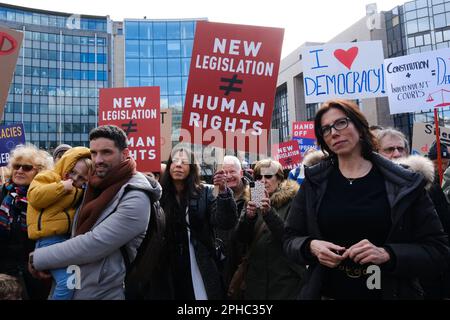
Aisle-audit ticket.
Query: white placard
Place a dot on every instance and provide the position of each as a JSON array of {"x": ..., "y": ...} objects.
[
  {"x": 418, "y": 82},
  {"x": 343, "y": 70}
]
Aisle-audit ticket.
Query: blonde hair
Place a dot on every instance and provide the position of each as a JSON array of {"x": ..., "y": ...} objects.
[
  {"x": 88, "y": 163},
  {"x": 10, "y": 288},
  {"x": 267, "y": 163},
  {"x": 40, "y": 159}
]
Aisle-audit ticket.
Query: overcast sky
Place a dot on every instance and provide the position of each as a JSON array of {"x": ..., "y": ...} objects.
[{"x": 316, "y": 20}]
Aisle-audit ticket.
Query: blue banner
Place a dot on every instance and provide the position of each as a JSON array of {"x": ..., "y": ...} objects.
[
  {"x": 10, "y": 137},
  {"x": 305, "y": 144}
]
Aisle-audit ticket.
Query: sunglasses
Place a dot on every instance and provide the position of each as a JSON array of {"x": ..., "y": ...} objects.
[
  {"x": 260, "y": 176},
  {"x": 25, "y": 167}
]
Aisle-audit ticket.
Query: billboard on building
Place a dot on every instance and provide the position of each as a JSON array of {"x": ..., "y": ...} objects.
[
  {"x": 10, "y": 43},
  {"x": 232, "y": 82},
  {"x": 137, "y": 112},
  {"x": 418, "y": 82},
  {"x": 351, "y": 70}
]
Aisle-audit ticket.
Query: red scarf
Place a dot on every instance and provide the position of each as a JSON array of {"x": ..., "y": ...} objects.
[{"x": 100, "y": 192}]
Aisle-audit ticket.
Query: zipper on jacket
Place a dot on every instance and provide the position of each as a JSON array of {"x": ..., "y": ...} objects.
[
  {"x": 68, "y": 222},
  {"x": 40, "y": 220}
]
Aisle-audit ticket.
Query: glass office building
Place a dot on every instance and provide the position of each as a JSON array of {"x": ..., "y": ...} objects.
[
  {"x": 418, "y": 26},
  {"x": 158, "y": 53},
  {"x": 63, "y": 62}
]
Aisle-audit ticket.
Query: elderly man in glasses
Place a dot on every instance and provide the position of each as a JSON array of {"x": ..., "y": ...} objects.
[{"x": 392, "y": 144}]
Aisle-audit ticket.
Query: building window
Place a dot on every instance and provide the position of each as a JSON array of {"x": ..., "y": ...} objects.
[
  {"x": 311, "y": 109},
  {"x": 280, "y": 117}
]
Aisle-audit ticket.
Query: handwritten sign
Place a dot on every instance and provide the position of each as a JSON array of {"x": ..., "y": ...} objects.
[
  {"x": 10, "y": 137},
  {"x": 343, "y": 70},
  {"x": 287, "y": 154},
  {"x": 303, "y": 133},
  {"x": 136, "y": 111},
  {"x": 423, "y": 136},
  {"x": 419, "y": 81},
  {"x": 232, "y": 83},
  {"x": 10, "y": 43}
]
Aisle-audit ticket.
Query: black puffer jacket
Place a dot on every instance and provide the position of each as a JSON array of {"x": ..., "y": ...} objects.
[{"x": 416, "y": 238}]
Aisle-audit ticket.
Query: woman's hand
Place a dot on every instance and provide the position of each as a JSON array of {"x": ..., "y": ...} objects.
[
  {"x": 365, "y": 252},
  {"x": 251, "y": 210},
  {"x": 327, "y": 253},
  {"x": 265, "y": 204}
]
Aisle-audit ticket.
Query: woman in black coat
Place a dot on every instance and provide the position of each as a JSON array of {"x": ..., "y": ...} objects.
[
  {"x": 192, "y": 212},
  {"x": 364, "y": 225}
]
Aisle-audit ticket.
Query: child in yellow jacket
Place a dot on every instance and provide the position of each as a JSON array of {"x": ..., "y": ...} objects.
[{"x": 53, "y": 198}]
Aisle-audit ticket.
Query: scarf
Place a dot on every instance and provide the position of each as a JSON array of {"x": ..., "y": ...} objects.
[
  {"x": 13, "y": 209},
  {"x": 100, "y": 192}
]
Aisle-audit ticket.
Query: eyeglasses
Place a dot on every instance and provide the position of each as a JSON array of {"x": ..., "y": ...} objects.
[
  {"x": 392, "y": 149},
  {"x": 260, "y": 176},
  {"x": 25, "y": 167},
  {"x": 339, "y": 124}
]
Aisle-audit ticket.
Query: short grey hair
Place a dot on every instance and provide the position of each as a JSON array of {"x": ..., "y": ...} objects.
[
  {"x": 234, "y": 161},
  {"x": 391, "y": 132}
]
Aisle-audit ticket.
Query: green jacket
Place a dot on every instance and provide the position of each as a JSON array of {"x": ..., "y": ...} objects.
[{"x": 270, "y": 275}]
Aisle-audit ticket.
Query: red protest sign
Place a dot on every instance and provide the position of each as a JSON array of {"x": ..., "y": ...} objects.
[
  {"x": 232, "y": 83},
  {"x": 137, "y": 112},
  {"x": 287, "y": 153},
  {"x": 10, "y": 42},
  {"x": 303, "y": 130}
]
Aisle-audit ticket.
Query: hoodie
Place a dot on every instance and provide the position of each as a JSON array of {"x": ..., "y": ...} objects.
[{"x": 50, "y": 208}]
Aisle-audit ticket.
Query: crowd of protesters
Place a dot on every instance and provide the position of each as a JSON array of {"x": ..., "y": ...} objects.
[{"x": 359, "y": 201}]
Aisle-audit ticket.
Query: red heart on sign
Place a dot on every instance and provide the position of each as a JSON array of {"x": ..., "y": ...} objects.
[{"x": 346, "y": 57}]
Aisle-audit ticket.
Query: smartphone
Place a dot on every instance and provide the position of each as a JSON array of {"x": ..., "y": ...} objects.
[{"x": 257, "y": 192}]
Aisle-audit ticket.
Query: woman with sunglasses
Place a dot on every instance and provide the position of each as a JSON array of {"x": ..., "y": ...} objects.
[
  {"x": 25, "y": 162},
  {"x": 270, "y": 276},
  {"x": 364, "y": 225}
]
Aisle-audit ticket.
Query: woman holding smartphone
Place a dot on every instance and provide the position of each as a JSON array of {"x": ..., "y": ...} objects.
[{"x": 270, "y": 276}]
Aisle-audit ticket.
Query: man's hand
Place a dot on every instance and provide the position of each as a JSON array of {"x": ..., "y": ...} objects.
[
  {"x": 327, "y": 253},
  {"x": 365, "y": 252},
  {"x": 220, "y": 179},
  {"x": 35, "y": 273}
]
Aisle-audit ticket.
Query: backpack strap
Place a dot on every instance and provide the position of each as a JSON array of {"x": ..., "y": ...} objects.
[{"x": 154, "y": 206}]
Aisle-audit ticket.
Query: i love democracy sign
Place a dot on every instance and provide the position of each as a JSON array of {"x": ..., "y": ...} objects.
[{"x": 343, "y": 70}]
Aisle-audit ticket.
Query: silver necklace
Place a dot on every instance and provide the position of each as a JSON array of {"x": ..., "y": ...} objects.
[{"x": 351, "y": 180}]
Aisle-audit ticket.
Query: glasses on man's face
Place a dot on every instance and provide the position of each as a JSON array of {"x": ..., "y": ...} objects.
[
  {"x": 260, "y": 176},
  {"x": 390, "y": 150},
  {"x": 339, "y": 124},
  {"x": 25, "y": 167}
]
